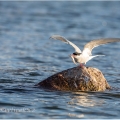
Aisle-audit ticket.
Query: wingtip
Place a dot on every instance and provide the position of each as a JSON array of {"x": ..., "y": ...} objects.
[
  {"x": 53, "y": 37},
  {"x": 50, "y": 37}
]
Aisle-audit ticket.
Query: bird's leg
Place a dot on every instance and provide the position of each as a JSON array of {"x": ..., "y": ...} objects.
[{"x": 82, "y": 65}]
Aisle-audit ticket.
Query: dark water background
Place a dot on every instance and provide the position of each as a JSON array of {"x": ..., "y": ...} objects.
[{"x": 27, "y": 56}]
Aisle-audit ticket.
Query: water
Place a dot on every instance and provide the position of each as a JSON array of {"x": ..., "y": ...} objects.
[{"x": 27, "y": 56}]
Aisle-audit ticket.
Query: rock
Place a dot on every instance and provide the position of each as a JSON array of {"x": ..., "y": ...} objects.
[{"x": 76, "y": 79}]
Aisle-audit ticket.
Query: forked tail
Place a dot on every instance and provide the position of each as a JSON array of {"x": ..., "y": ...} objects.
[{"x": 91, "y": 57}]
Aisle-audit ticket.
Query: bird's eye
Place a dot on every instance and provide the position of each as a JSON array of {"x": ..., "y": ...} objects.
[{"x": 75, "y": 53}]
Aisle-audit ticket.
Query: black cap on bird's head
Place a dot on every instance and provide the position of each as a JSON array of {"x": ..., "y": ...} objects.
[{"x": 76, "y": 53}]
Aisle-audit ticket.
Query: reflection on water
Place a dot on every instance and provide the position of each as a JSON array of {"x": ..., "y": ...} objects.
[
  {"x": 27, "y": 56},
  {"x": 84, "y": 99},
  {"x": 76, "y": 116}
]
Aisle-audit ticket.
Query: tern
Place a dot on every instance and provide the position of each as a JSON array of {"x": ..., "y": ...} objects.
[{"x": 82, "y": 57}]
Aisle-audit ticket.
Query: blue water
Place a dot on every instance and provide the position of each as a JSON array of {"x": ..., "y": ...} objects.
[{"x": 28, "y": 56}]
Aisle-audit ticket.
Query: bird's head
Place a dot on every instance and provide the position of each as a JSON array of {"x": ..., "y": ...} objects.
[
  {"x": 76, "y": 54},
  {"x": 75, "y": 57}
]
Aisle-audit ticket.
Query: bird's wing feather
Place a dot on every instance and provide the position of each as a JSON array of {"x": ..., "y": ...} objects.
[
  {"x": 58, "y": 37},
  {"x": 95, "y": 43}
]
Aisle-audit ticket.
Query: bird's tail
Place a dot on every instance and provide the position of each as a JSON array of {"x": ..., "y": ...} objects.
[{"x": 91, "y": 57}]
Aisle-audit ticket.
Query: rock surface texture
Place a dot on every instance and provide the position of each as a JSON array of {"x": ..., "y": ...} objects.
[{"x": 76, "y": 79}]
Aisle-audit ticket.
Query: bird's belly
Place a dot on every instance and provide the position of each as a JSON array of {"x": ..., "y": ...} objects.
[{"x": 81, "y": 60}]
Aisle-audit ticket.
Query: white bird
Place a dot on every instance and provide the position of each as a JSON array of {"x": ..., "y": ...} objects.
[{"x": 84, "y": 56}]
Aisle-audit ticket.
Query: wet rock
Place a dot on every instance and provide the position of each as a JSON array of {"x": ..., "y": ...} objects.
[{"x": 76, "y": 79}]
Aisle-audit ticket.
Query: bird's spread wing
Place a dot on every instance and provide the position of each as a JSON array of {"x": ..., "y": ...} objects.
[
  {"x": 95, "y": 43},
  {"x": 58, "y": 37}
]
